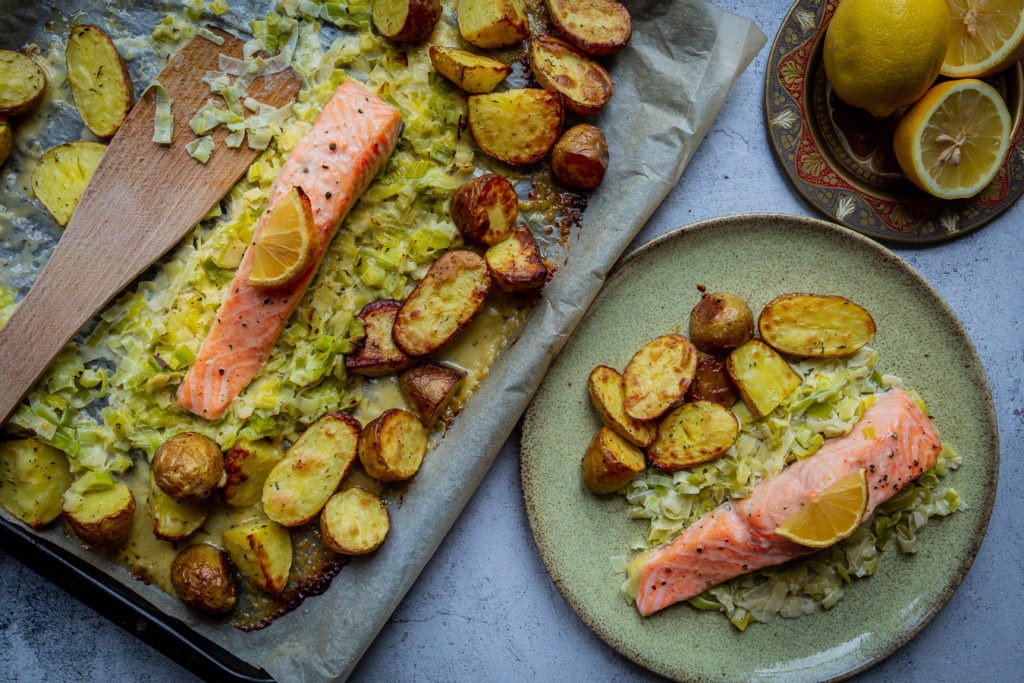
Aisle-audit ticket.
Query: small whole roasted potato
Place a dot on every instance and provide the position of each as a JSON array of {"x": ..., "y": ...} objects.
[
  {"x": 99, "y": 510},
  {"x": 24, "y": 83},
  {"x": 584, "y": 84},
  {"x": 493, "y": 23},
  {"x": 692, "y": 434},
  {"x": 516, "y": 264},
  {"x": 406, "y": 20},
  {"x": 598, "y": 27},
  {"x": 815, "y": 325},
  {"x": 658, "y": 375},
  {"x": 516, "y": 126},
  {"x": 376, "y": 354},
  {"x": 711, "y": 381},
  {"x": 430, "y": 388},
  {"x": 246, "y": 466},
  {"x": 262, "y": 552},
  {"x": 580, "y": 157},
  {"x": 720, "y": 322},
  {"x": 607, "y": 392},
  {"x": 188, "y": 467},
  {"x": 762, "y": 377},
  {"x": 473, "y": 73},
  {"x": 99, "y": 80},
  {"x": 203, "y": 579},
  {"x": 485, "y": 209},
  {"x": 60, "y": 176},
  {"x": 33, "y": 478},
  {"x": 610, "y": 462},
  {"x": 392, "y": 445},
  {"x": 354, "y": 522}
]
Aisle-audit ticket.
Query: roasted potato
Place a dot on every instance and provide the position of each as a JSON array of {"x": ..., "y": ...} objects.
[
  {"x": 99, "y": 510},
  {"x": 447, "y": 298},
  {"x": 516, "y": 126},
  {"x": 598, "y": 27},
  {"x": 406, "y": 20},
  {"x": 493, "y": 23},
  {"x": 692, "y": 434},
  {"x": 516, "y": 264},
  {"x": 261, "y": 550},
  {"x": 60, "y": 176},
  {"x": 430, "y": 387},
  {"x": 392, "y": 445},
  {"x": 188, "y": 467},
  {"x": 658, "y": 375},
  {"x": 584, "y": 84},
  {"x": 720, "y": 322},
  {"x": 580, "y": 157},
  {"x": 610, "y": 462},
  {"x": 300, "y": 484},
  {"x": 762, "y": 377},
  {"x": 607, "y": 392},
  {"x": 6, "y": 140},
  {"x": 376, "y": 354},
  {"x": 99, "y": 81},
  {"x": 711, "y": 381},
  {"x": 473, "y": 73},
  {"x": 33, "y": 478},
  {"x": 203, "y": 579},
  {"x": 485, "y": 209},
  {"x": 354, "y": 522},
  {"x": 815, "y": 325},
  {"x": 22, "y": 83},
  {"x": 246, "y": 466},
  {"x": 172, "y": 520}
]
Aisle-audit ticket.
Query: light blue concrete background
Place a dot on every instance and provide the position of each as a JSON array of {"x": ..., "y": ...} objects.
[{"x": 484, "y": 608}]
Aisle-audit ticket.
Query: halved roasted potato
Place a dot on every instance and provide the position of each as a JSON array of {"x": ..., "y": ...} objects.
[
  {"x": 607, "y": 391},
  {"x": 6, "y": 140},
  {"x": 376, "y": 354},
  {"x": 430, "y": 387},
  {"x": 60, "y": 176},
  {"x": 711, "y": 381},
  {"x": 406, "y": 20},
  {"x": 658, "y": 375},
  {"x": 493, "y": 23},
  {"x": 300, "y": 484},
  {"x": 720, "y": 322},
  {"x": 188, "y": 467},
  {"x": 203, "y": 579},
  {"x": 692, "y": 434},
  {"x": 516, "y": 263},
  {"x": 99, "y": 510},
  {"x": 815, "y": 325},
  {"x": 33, "y": 478},
  {"x": 23, "y": 81},
  {"x": 473, "y": 73},
  {"x": 392, "y": 445},
  {"x": 762, "y": 377},
  {"x": 485, "y": 208},
  {"x": 354, "y": 522},
  {"x": 580, "y": 157},
  {"x": 447, "y": 298},
  {"x": 598, "y": 27},
  {"x": 261, "y": 550},
  {"x": 99, "y": 81},
  {"x": 173, "y": 520},
  {"x": 516, "y": 126},
  {"x": 584, "y": 84},
  {"x": 610, "y": 462},
  {"x": 246, "y": 466}
]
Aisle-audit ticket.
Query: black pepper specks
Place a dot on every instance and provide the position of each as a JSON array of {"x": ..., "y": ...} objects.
[{"x": 333, "y": 146}]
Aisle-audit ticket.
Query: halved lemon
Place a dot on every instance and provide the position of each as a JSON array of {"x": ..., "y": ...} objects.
[
  {"x": 985, "y": 37},
  {"x": 287, "y": 242},
  {"x": 832, "y": 515},
  {"x": 952, "y": 142}
]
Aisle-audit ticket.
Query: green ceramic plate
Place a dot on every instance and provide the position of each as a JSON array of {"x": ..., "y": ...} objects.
[{"x": 650, "y": 293}]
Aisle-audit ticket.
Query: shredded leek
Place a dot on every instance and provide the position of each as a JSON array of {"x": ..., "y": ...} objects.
[
  {"x": 163, "y": 125},
  {"x": 200, "y": 149}
]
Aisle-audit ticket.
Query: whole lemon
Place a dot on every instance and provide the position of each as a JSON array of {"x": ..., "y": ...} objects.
[{"x": 881, "y": 55}]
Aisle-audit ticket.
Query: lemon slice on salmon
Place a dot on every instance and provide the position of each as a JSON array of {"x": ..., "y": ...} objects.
[
  {"x": 985, "y": 37},
  {"x": 952, "y": 142},
  {"x": 287, "y": 242},
  {"x": 832, "y": 515}
]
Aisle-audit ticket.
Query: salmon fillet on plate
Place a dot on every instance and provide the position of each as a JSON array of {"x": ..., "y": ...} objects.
[{"x": 894, "y": 443}]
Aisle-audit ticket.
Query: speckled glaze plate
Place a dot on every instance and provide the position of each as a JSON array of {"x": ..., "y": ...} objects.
[
  {"x": 650, "y": 293},
  {"x": 840, "y": 158}
]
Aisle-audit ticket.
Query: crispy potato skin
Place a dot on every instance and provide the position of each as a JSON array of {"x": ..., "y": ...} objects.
[
  {"x": 188, "y": 467},
  {"x": 6, "y": 140},
  {"x": 761, "y": 376},
  {"x": 720, "y": 322},
  {"x": 516, "y": 126},
  {"x": 446, "y": 300},
  {"x": 60, "y": 176},
  {"x": 392, "y": 445},
  {"x": 607, "y": 392},
  {"x": 610, "y": 462},
  {"x": 516, "y": 264},
  {"x": 246, "y": 466},
  {"x": 100, "y": 83},
  {"x": 354, "y": 522},
  {"x": 377, "y": 354},
  {"x": 580, "y": 157},
  {"x": 493, "y": 23},
  {"x": 658, "y": 375},
  {"x": 692, "y": 434},
  {"x": 430, "y": 388},
  {"x": 476, "y": 74},
  {"x": 711, "y": 381},
  {"x": 584, "y": 84},
  {"x": 598, "y": 27},
  {"x": 406, "y": 20},
  {"x": 24, "y": 83},
  {"x": 485, "y": 209},
  {"x": 815, "y": 325},
  {"x": 33, "y": 479},
  {"x": 262, "y": 552},
  {"x": 101, "y": 518},
  {"x": 204, "y": 580},
  {"x": 173, "y": 520}
]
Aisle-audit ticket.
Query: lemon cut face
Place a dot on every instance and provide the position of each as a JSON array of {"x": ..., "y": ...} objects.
[
  {"x": 287, "y": 243},
  {"x": 985, "y": 37},
  {"x": 832, "y": 515},
  {"x": 953, "y": 141}
]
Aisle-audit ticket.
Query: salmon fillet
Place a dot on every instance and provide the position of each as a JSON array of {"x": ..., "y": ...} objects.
[
  {"x": 351, "y": 139},
  {"x": 894, "y": 442}
]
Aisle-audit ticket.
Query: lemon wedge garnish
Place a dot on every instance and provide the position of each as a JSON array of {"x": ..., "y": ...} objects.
[
  {"x": 986, "y": 37},
  {"x": 287, "y": 243},
  {"x": 832, "y": 515}
]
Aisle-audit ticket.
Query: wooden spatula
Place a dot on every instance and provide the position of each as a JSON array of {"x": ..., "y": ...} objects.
[{"x": 143, "y": 199}]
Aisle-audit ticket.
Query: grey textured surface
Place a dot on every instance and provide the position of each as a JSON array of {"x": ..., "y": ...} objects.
[{"x": 485, "y": 610}]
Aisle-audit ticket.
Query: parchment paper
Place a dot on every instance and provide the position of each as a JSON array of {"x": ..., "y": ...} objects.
[{"x": 670, "y": 82}]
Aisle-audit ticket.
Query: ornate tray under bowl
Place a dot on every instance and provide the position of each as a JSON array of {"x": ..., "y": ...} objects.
[{"x": 840, "y": 157}]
